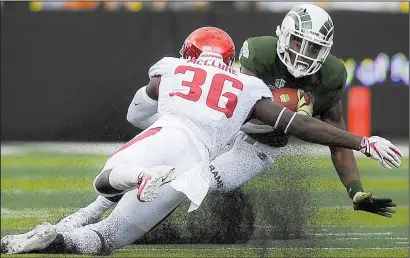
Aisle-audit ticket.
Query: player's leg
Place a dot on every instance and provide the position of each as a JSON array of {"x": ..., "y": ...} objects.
[
  {"x": 170, "y": 155},
  {"x": 84, "y": 216},
  {"x": 228, "y": 171},
  {"x": 90, "y": 214},
  {"x": 243, "y": 160},
  {"x": 94, "y": 211},
  {"x": 129, "y": 221},
  {"x": 168, "y": 148}
]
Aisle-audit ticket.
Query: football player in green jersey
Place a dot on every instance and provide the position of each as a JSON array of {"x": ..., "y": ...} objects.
[{"x": 299, "y": 57}]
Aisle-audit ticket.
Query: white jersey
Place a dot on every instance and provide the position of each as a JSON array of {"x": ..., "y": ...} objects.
[{"x": 206, "y": 95}]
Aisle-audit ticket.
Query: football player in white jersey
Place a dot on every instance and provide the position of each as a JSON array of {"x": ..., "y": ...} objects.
[{"x": 201, "y": 103}]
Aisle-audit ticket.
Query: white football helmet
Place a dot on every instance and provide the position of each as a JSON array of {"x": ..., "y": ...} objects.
[{"x": 305, "y": 39}]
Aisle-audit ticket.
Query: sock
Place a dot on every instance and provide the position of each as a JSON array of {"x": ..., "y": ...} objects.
[
  {"x": 115, "y": 199},
  {"x": 100, "y": 206},
  {"x": 85, "y": 241},
  {"x": 80, "y": 241},
  {"x": 124, "y": 177}
]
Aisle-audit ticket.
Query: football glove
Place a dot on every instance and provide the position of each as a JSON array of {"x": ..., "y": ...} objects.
[
  {"x": 381, "y": 150},
  {"x": 365, "y": 201},
  {"x": 305, "y": 104}
]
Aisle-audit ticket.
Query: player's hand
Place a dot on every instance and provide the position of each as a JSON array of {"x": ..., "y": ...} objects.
[
  {"x": 305, "y": 104},
  {"x": 381, "y": 150},
  {"x": 365, "y": 201}
]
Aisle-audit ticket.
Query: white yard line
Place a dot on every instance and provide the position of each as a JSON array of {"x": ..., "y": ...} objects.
[
  {"x": 261, "y": 248},
  {"x": 373, "y": 238},
  {"x": 27, "y": 213},
  {"x": 354, "y": 234},
  {"x": 13, "y": 148}
]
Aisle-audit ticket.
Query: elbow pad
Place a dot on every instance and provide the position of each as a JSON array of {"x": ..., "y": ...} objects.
[{"x": 142, "y": 109}]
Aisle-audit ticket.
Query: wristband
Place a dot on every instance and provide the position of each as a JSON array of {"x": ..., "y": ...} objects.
[{"x": 354, "y": 187}]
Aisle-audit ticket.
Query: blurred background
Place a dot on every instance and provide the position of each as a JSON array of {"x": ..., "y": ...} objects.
[{"x": 70, "y": 69}]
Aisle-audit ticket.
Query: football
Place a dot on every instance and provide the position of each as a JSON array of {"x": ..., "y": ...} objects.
[{"x": 287, "y": 97}]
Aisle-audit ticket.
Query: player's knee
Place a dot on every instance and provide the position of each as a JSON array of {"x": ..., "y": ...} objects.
[{"x": 102, "y": 184}]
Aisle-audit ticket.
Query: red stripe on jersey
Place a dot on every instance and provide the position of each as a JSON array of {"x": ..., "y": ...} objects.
[
  {"x": 138, "y": 138},
  {"x": 159, "y": 82}
]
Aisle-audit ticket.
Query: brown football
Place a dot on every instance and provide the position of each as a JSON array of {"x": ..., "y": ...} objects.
[{"x": 287, "y": 97}]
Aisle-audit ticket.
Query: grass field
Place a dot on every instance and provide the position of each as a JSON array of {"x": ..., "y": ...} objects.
[{"x": 39, "y": 187}]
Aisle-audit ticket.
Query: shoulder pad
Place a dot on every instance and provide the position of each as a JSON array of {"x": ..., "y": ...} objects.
[
  {"x": 162, "y": 66},
  {"x": 258, "y": 54},
  {"x": 333, "y": 82},
  {"x": 334, "y": 73}
]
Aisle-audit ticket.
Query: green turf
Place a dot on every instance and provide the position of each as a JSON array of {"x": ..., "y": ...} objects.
[
  {"x": 242, "y": 251},
  {"x": 41, "y": 187}
]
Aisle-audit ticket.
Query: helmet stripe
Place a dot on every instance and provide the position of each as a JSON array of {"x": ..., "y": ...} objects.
[
  {"x": 295, "y": 19},
  {"x": 327, "y": 29}
]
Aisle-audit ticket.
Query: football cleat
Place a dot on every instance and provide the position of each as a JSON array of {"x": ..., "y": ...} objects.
[
  {"x": 150, "y": 180},
  {"x": 37, "y": 239}
]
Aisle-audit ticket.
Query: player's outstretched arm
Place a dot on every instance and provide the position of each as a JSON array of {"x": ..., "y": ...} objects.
[
  {"x": 313, "y": 130},
  {"x": 343, "y": 159}
]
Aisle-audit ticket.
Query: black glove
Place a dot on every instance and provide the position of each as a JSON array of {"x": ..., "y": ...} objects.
[{"x": 365, "y": 201}]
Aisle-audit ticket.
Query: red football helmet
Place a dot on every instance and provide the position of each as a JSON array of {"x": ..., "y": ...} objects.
[{"x": 209, "y": 39}]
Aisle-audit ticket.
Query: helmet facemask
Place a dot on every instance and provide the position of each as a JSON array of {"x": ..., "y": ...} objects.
[
  {"x": 302, "y": 52},
  {"x": 189, "y": 51}
]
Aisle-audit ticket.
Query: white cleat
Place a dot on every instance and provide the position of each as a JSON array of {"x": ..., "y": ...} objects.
[
  {"x": 151, "y": 179},
  {"x": 80, "y": 218},
  {"x": 37, "y": 239},
  {"x": 10, "y": 238}
]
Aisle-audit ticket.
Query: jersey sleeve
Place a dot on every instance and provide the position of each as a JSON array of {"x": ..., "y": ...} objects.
[
  {"x": 261, "y": 90},
  {"x": 258, "y": 54},
  {"x": 162, "y": 67}
]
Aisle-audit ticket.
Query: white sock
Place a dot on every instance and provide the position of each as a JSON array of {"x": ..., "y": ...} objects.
[
  {"x": 82, "y": 241},
  {"x": 124, "y": 177},
  {"x": 100, "y": 206}
]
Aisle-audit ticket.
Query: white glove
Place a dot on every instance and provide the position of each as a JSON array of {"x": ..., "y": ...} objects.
[
  {"x": 381, "y": 150},
  {"x": 305, "y": 103}
]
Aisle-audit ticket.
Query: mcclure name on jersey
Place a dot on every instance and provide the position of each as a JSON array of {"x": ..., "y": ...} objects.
[{"x": 213, "y": 63}]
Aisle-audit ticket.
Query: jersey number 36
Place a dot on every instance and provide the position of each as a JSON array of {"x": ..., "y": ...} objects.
[{"x": 215, "y": 91}]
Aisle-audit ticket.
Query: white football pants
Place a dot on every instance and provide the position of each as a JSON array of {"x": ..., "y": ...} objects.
[{"x": 242, "y": 160}]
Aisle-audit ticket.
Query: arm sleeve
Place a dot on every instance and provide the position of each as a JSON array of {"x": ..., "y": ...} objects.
[
  {"x": 261, "y": 91},
  {"x": 142, "y": 111}
]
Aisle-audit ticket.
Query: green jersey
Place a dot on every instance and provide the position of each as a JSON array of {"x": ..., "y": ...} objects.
[{"x": 259, "y": 56}]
